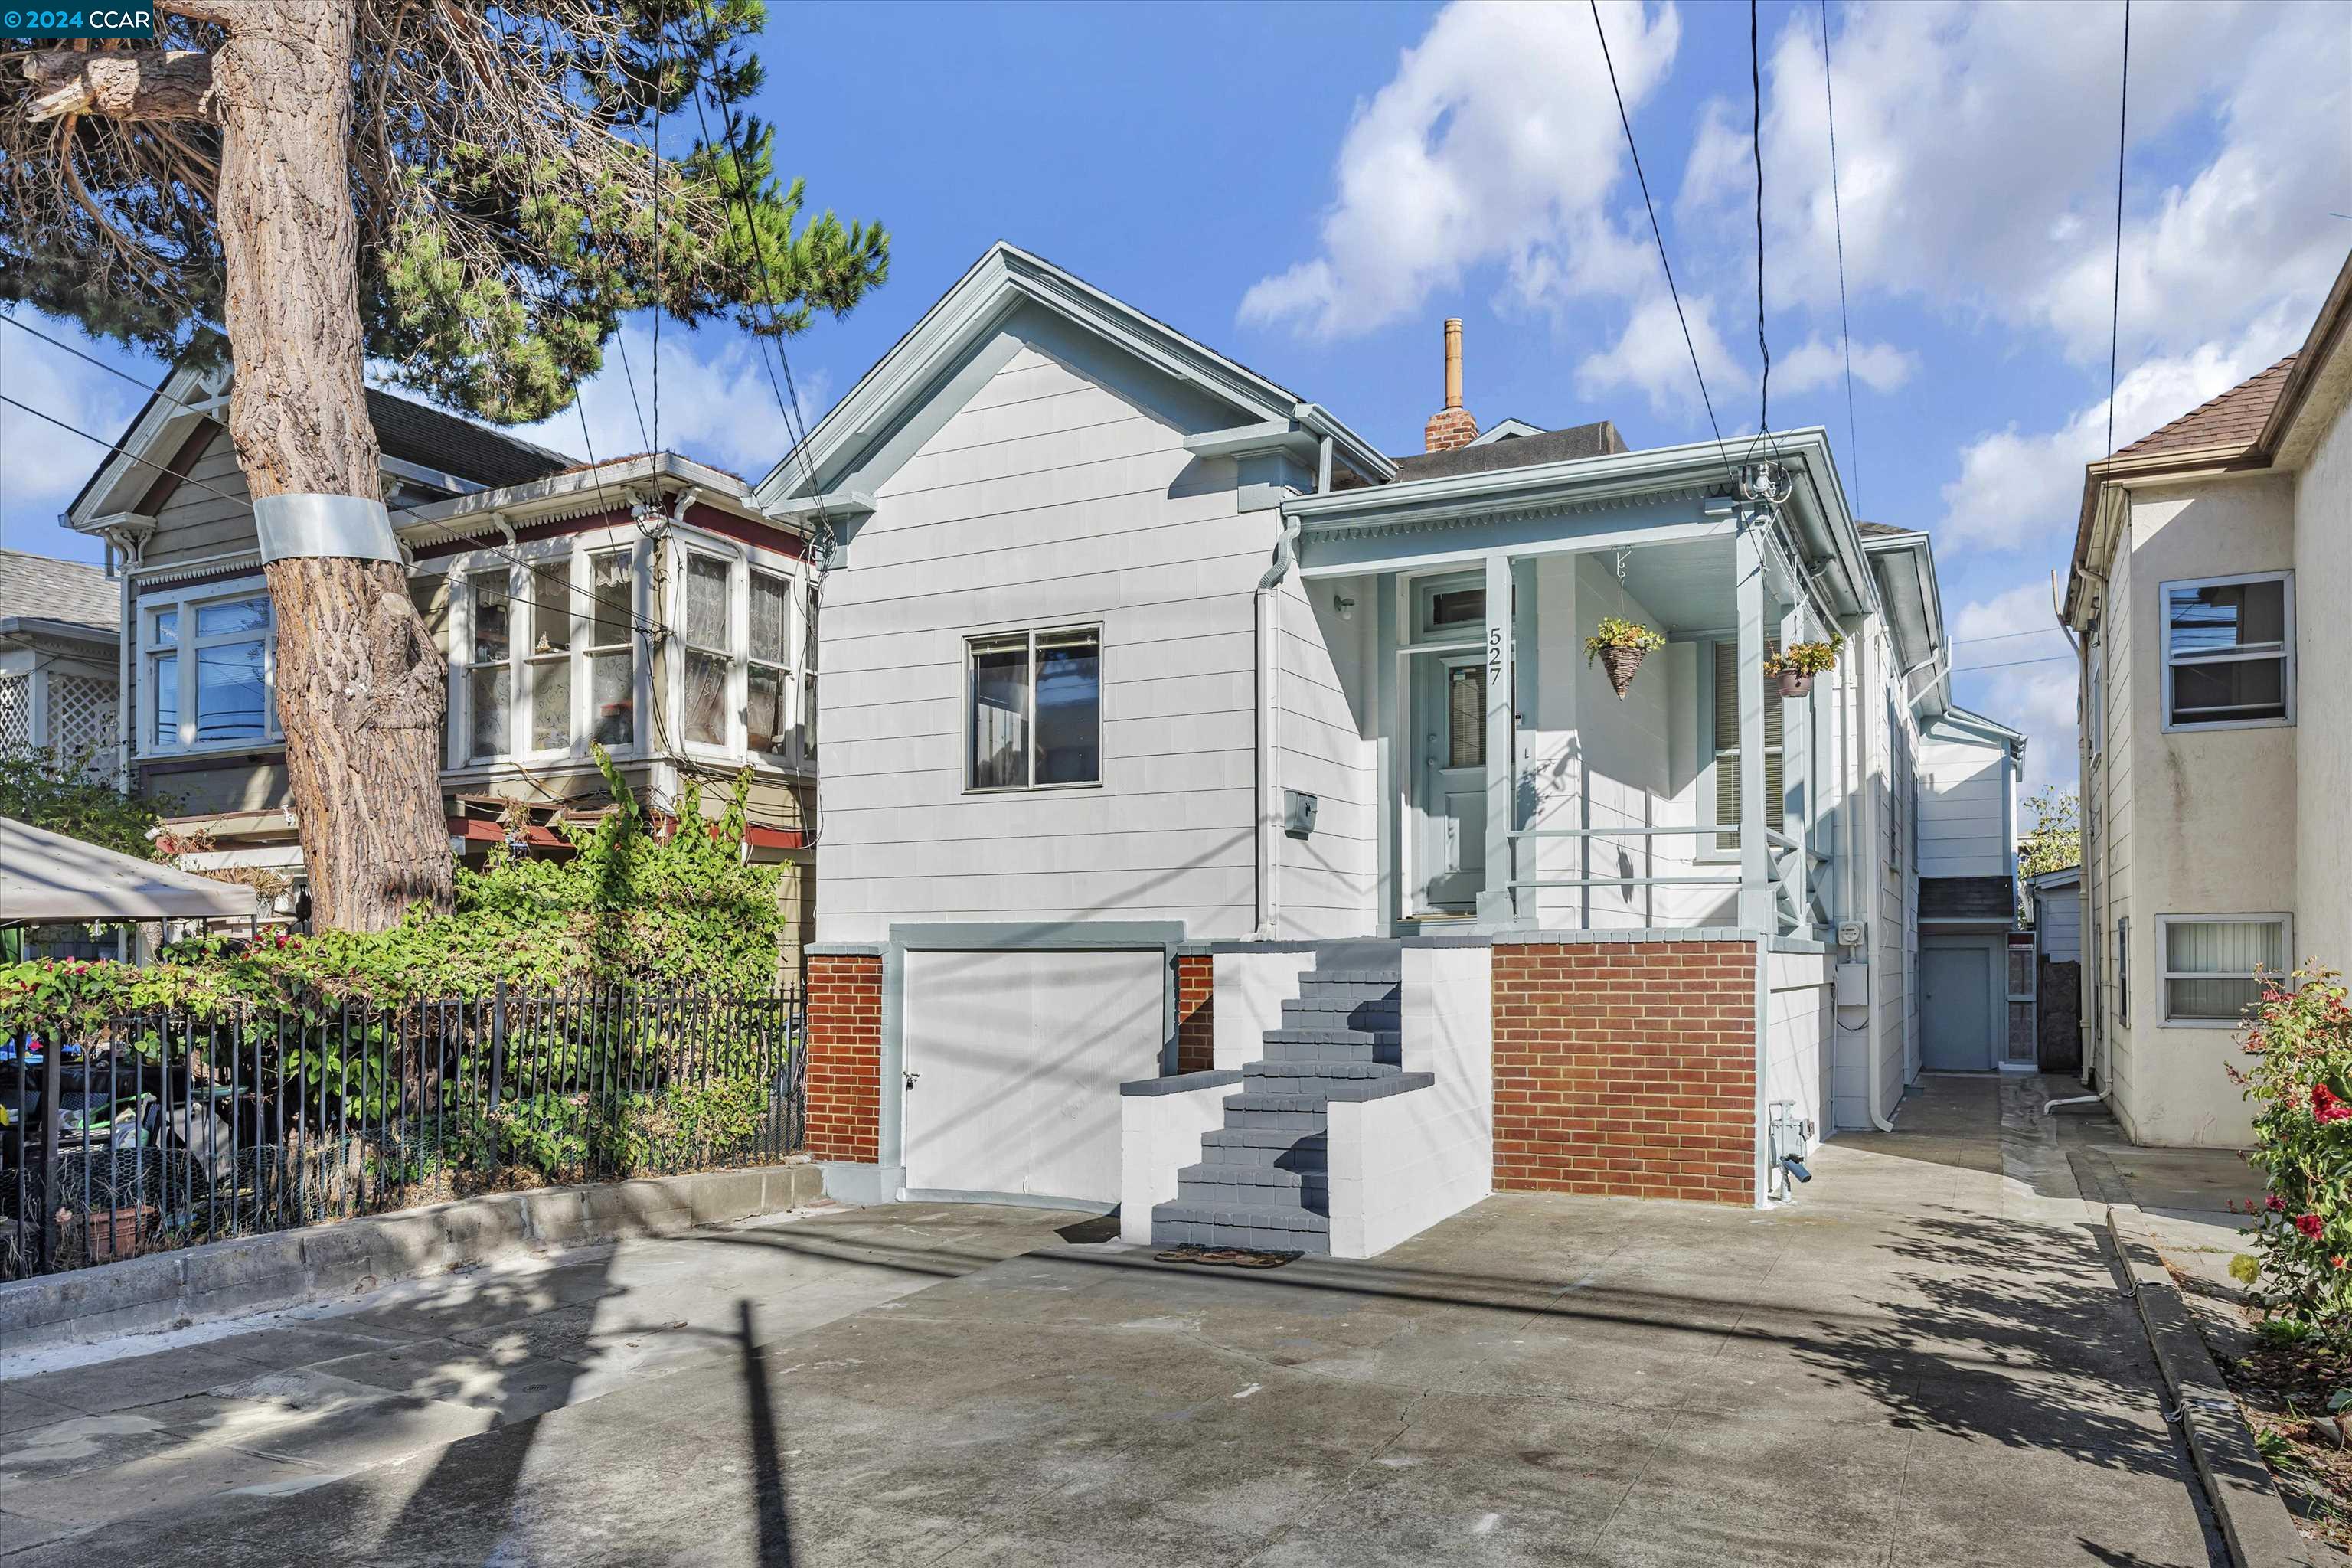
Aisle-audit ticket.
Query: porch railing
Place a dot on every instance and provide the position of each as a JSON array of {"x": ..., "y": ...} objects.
[
  {"x": 163, "y": 1131},
  {"x": 1779, "y": 860}
]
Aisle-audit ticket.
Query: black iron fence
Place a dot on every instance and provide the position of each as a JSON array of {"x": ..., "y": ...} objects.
[{"x": 163, "y": 1131}]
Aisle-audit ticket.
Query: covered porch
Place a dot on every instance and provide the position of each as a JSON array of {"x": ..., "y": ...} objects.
[{"x": 1516, "y": 790}]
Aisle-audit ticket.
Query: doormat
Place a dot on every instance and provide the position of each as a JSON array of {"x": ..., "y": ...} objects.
[{"x": 1227, "y": 1257}]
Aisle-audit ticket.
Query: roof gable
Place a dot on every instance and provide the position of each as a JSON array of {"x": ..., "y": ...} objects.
[
  {"x": 2233, "y": 419},
  {"x": 849, "y": 451}
]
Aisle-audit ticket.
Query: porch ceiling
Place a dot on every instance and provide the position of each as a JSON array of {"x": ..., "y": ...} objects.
[{"x": 1686, "y": 586}]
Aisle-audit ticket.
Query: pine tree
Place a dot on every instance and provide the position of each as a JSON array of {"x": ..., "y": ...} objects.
[{"x": 468, "y": 198}]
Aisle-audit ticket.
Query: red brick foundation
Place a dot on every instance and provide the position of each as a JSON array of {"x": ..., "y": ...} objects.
[
  {"x": 1196, "y": 987},
  {"x": 1626, "y": 1069},
  {"x": 845, "y": 1056}
]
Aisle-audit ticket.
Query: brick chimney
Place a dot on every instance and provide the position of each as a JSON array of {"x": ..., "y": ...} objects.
[{"x": 1452, "y": 426}]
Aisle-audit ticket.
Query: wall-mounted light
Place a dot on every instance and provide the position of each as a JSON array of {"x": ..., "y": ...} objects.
[{"x": 1345, "y": 605}]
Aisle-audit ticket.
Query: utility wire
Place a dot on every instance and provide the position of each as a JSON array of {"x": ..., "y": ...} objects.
[
  {"x": 1755, "y": 146},
  {"x": 1659, "y": 235},
  {"x": 1837, "y": 214},
  {"x": 2115, "y": 306},
  {"x": 2013, "y": 663},
  {"x": 2004, "y": 637}
]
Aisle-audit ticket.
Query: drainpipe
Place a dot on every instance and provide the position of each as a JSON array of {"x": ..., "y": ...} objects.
[
  {"x": 125, "y": 660},
  {"x": 1866, "y": 861},
  {"x": 1268, "y": 805}
]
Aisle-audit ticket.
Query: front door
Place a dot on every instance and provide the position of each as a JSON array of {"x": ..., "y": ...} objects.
[
  {"x": 1450, "y": 782},
  {"x": 1956, "y": 1009}
]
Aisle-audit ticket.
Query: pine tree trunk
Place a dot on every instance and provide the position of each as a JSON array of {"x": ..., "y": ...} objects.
[{"x": 360, "y": 686}]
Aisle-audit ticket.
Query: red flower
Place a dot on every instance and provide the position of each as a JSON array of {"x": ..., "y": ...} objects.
[
  {"x": 2311, "y": 1225},
  {"x": 2338, "y": 1261},
  {"x": 2326, "y": 1107},
  {"x": 2271, "y": 1202}
]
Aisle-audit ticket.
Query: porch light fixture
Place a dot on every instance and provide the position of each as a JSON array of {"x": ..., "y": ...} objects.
[{"x": 1345, "y": 605}]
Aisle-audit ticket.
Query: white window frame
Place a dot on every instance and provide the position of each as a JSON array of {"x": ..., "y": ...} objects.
[
  {"x": 963, "y": 760},
  {"x": 787, "y": 734},
  {"x": 2283, "y": 653},
  {"x": 572, "y": 553},
  {"x": 2166, "y": 974},
  {"x": 185, "y": 599},
  {"x": 1711, "y": 847}
]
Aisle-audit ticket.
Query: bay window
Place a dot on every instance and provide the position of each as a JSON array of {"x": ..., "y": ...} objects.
[
  {"x": 612, "y": 665},
  {"x": 1033, "y": 701},
  {"x": 549, "y": 659},
  {"x": 489, "y": 674},
  {"x": 2229, "y": 651},
  {"x": 767, "y": 673},
  {"x": 2214, "y": 965},
  {"x": 209, "y": 663}
]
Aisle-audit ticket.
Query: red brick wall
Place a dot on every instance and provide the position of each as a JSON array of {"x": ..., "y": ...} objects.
[
  {"x": 1196, "y": 1048},
  {"x": 1447, "y": 429},
  {"x": 1626, "y": 1068},
  {"x": 845, "y": 1056}
]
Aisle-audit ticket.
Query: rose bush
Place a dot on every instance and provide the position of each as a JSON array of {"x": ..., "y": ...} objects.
[{"x": 2298, "y": 1041}]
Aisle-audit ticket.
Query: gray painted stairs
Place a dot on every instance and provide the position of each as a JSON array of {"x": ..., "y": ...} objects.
[{"x": 1263, "y": 1179}]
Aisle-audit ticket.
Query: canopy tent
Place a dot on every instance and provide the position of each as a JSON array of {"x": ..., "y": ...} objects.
[{"x": 47, "y": 877}]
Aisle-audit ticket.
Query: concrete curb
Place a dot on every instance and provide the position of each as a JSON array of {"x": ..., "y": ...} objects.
[
  {"x": 296, "y": 1268},
  {"x": 2254, "y": 1518}
]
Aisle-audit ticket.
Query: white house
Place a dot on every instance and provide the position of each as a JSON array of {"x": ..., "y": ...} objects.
[
  {"x": 2210, "y": 596},
  {"x": 1178, "y": 739}
]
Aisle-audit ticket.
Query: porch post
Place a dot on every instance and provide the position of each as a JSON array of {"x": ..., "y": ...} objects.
[
  {"x": 1797, "y": 773},
  {"x": 1756, "y": 912},
  {"x": 1499, "y": 904}
]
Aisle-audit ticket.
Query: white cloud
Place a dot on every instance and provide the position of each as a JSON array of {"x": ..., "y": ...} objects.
[
  {"x": 1497, "y": 141},
  {"x": 1817, "y": 363},
  {"x": 45, "y": 466},
  {"x": 2017, "y": 487},
  {"x": 1976, "y": 162},
  {"x": 718, "y": 408},
  {"x": 1651, "y": 356},
  {"x": 2037, "y": 700},
  {"x": 2011, "y": 616}
]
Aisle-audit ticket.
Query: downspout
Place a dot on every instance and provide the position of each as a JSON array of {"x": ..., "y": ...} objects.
[
  {"x": 1269, "y": 653},
  {"x": 1866, "y": 861},
  {"x": 125, "y": 658}
]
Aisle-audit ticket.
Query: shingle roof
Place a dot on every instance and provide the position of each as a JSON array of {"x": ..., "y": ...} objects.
[
  {"x": 2234, "y": 419},
  {"x": 41, "y": 587},
  {"x": 426, "y": 436},
  {"x": 1599, "y": 439},
  {"x": 1880, "y": 529}
]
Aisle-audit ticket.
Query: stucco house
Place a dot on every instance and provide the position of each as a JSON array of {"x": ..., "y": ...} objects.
[
  {"x": 1223, "y": 819},
  {"x": 2210, "y": 596},
  {"x": 642, "y": 604}
]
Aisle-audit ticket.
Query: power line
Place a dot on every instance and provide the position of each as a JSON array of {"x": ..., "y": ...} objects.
[
  {"x": 110, "y": 447},
  {"x": 1837, "y": 214},
  {"x": 2013, "y": 663},
  {"x": 1659, "y": 235},
  {"x": 2115, "y": 306},
  {"x": 2004, "y": 637},
  {"x": 1755, "y": 146}
]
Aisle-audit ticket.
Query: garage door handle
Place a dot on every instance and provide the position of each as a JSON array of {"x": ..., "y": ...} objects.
[{"x": 911, "y": 1078}]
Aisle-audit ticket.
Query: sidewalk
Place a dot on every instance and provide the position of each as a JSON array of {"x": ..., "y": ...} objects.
[{"x": 1924, "y": 1360}]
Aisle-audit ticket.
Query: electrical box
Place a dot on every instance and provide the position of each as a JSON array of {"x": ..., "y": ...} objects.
[
  {"x": 1298, "y": 812},
  {"x": 1853, "y": 986}
]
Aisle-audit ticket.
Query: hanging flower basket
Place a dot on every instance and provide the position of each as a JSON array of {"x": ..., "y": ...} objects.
[
  {"x": 1794, "y": 667},
  {"x": 1621, "y": 663},
  {"x": 1620, "y": 645}
]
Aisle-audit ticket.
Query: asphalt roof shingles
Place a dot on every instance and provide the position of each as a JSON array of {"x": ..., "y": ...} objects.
[
  {"x": 41, "y": 587},
  {"x": 2234, "y": 419}
]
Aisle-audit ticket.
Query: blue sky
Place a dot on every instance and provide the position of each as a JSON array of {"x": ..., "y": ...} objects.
[{"x": 1311, "y": 189}]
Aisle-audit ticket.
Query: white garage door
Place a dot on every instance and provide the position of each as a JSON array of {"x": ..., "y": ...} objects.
[{"x": 1017, "y": 1059}]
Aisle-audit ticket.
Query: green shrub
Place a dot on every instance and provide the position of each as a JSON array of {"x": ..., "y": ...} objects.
[{"x": 2298, "y": 1035}]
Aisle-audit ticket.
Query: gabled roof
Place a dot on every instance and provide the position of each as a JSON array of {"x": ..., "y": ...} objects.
[
  {"x": 1005, "y": 279},
  {"x": 1594, "y": 440},
  {"x": 66, "y": 595},
  {"x": 2233, "y": 419},
  {"x": 1969, "y": 727},
  {"x": 430, "y": 438},
  {"x": 1506, "y": 430}
]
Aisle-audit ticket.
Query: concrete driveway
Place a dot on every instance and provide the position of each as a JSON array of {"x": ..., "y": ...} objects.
[{"x": 1924, "y": 1360}]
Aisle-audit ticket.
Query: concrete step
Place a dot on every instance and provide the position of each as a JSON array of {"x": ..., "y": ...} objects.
[
  {"x": 1333, "y": 1036},
  {"x": 1391, "y": 1055},
  {"x": 1328, "y": 1013},
  {"x": 1270, "y": 1148},
  {"x": 1267, "y": 1226},
  {"x": 1214, "y": 1193},
  {"x": 1265, "y": 1177},
  {"x": 1295, "y": 1113},
  {"x": 1349, "y": 988}
]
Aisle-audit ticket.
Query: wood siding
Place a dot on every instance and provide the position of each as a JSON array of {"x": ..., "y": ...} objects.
[{"x": 1964, "y": 806}]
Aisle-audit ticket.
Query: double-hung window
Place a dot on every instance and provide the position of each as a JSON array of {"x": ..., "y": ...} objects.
[
  {"x": 767, "y": 670},
  {"x": 709, "y": 659},
  {"x": 612, "y": 641},
  {"x": 1033, "y": 707},
  {"x": 2229, "y": 651},
  {"x": 550, "y": 657},
  {"x": 1726, "y": 742},
  {"x": 2214, "y": 965},
  {"x": 489, "y": 671},
  {"x": 210, "y": 671}
]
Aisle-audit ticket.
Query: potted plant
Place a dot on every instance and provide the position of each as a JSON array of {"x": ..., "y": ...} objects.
[
  {"x": 1795, "y": 666},
  {"x": 1618, "y": 645}
]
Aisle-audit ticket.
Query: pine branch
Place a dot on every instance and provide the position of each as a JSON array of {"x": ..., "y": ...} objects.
[{"x": 172, "y": 84}]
